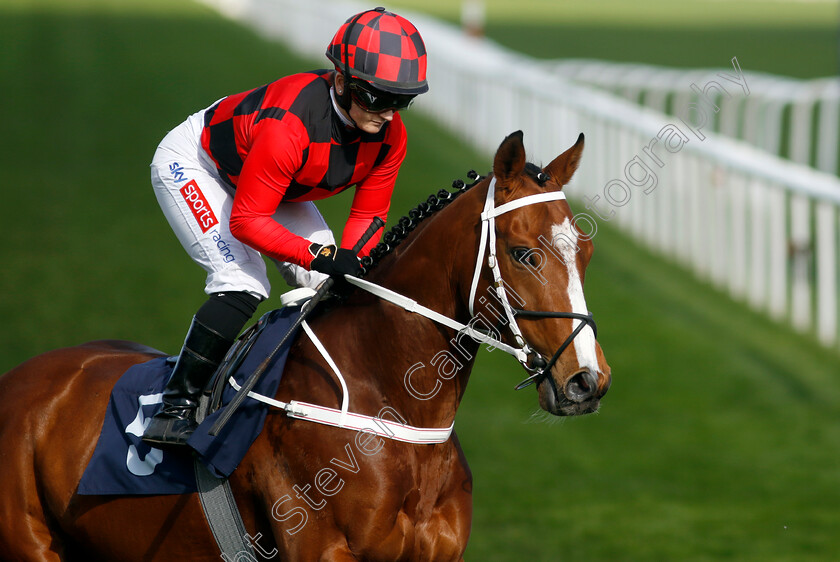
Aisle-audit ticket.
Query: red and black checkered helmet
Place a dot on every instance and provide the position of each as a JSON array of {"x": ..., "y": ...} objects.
[{"x": 383, "y": 49}]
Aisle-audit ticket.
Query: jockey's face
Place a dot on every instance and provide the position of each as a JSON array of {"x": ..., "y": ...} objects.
[{"x": 367, "y": 121}]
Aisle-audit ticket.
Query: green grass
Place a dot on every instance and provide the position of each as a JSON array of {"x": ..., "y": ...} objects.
[
  {"x": 726, "y": 13},
  {"x": 718, "y": 439},
  {"x": 791, "y": 38}
]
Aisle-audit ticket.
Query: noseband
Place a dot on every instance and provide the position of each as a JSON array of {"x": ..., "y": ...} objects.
[
  {"x": 540, "y": 368},
  {"x": 531, "y": 360}
]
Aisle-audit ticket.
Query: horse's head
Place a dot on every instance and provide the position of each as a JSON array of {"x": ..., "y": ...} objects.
[{"x": 542, "y": 258}]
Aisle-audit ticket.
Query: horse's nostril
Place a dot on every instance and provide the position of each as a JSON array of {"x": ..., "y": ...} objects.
[{"x": 581, "y": 386}]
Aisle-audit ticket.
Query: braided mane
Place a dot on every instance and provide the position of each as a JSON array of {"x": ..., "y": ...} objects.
[
  {"x": 400, "y": 231},
  {"x": 433, "y": 203}
]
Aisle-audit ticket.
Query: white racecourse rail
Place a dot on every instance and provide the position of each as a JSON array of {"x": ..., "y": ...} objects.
[
  {"x": 796, "y": 119},
  {"x": 760, "y": 227}
]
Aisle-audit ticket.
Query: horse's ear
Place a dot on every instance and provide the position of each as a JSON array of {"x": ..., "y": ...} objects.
[
  {"x": 509, "y": 161},
  {"x": 563, "y": 167}
]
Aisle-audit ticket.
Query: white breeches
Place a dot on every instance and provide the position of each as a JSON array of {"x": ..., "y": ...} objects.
[{"x": 197, "y": 204}]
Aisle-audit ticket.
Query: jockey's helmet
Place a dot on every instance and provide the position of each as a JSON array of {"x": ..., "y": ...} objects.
[{"x": 383, "y": 60}]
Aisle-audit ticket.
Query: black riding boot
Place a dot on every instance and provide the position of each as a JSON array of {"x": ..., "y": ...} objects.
[{"x": 203, "y": 350}]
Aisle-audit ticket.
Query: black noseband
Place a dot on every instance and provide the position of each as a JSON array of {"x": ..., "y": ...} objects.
[{"x": 541, "y": 366}]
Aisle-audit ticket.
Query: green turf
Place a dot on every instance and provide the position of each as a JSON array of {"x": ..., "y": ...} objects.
[
  {"x": 718, "y": 439},
  {"x": 791, "y": 38},
  {"x": 725, "y": 13}
]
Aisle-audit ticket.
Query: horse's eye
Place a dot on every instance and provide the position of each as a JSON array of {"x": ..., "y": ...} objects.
[{"x": 524, "y": 256}]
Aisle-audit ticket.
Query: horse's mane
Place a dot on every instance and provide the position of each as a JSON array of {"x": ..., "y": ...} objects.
[
  {"x": 407, "y": 223},
  {"x": 433, "y": 203}
]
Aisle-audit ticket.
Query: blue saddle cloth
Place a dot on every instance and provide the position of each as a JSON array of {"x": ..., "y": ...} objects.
[{"x": 123, "y": 464}]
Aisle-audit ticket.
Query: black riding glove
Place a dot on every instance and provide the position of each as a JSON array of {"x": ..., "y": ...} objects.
[{"x": 334, "y": 262}]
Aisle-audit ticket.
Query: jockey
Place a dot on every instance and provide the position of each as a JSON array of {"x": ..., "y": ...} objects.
[{"x": 237, "y": 180}]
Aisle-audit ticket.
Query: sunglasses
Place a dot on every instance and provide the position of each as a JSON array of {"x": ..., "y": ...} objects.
[{"x": 377, "y": 101}]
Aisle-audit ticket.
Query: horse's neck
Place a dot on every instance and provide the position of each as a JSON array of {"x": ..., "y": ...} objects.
[
  {"x": 419, "y": 366},
  {"x": 435, "y": 264}
]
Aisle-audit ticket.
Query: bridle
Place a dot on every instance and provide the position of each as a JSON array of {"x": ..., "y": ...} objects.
[{"x": 531, "y": 360}]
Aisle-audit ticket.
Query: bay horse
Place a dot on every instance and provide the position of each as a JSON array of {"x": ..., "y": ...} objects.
[{"x": 406, "y": 501}]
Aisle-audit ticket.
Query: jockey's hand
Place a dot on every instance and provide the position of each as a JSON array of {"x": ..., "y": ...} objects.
[{"x": 335, "y": 262}]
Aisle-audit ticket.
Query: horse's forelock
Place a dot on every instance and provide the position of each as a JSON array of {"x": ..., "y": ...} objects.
[{"x": 536, "y": 173}]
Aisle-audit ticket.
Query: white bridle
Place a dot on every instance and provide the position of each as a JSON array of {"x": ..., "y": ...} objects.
[{"x": 487, "y": 243}]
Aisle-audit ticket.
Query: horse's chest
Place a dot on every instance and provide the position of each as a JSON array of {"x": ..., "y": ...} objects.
[
  {"x": 417, "y": 512},
  {"x": 397, "y": 501}
]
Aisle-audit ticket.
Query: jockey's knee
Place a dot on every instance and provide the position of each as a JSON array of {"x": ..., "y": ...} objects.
[{"x": 228, "y": 312}]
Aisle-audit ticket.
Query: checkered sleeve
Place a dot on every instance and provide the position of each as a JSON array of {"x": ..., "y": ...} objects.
[
  {"x": 276, "y": 153},
  {"x": 373, "y": 194}
]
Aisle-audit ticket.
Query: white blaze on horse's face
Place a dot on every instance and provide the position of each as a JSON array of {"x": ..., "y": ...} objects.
[{"x": 565, "y": 240}]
